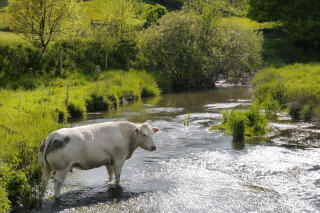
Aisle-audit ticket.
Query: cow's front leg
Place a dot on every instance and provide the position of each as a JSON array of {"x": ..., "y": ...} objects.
[
  {"x": 110, "y": 172},
  {"x": 117, "y": 166},
  {"x": 59, "y": 178}
]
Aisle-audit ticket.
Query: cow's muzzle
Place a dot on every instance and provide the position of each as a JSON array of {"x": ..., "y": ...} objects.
[{"x": 153, "y": 148}]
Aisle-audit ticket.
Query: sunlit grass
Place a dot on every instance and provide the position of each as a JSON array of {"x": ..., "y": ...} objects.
[
  {"x": 94, "y": 9},
  {"x": 10, "y": 38},
  {"x": 248, "y": 23},
  {"x": 296, "y": 87}
]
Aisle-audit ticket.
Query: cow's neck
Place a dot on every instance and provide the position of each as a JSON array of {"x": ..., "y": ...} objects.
[{"x": 132, "y": 146}]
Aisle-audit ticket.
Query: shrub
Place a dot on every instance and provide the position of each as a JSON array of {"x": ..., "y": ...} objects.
[
  {"x": 96, "y": 103},
  {"x": 4, "y": 201},
  {"x": 19, "y": 190},
  {"x": 74, "y": 111}
]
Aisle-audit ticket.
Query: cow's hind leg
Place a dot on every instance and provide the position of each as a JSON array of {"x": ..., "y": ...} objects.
[
  {"x": 45, "y": 177},
  {"x": 59, "y": 178},
  {"x": 110, "y": 172}
]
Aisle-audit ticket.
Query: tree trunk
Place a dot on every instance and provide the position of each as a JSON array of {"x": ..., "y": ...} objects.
[
  {"x": 128, "y": 62},
  {"x": 106, "y": 60},
  {"x": 60, "y": 57}
]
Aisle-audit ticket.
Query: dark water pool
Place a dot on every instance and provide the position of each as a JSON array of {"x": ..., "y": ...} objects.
[{"x": 198, "y": 170}]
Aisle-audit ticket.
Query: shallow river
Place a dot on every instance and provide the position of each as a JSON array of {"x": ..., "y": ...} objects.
[{"x": 198, "y": 170}]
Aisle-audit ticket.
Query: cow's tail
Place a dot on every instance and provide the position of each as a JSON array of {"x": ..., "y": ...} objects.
[{"x": 47, "y": 144}]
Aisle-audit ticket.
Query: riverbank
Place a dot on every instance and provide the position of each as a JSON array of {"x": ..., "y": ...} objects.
[
  {"x": 28, "y": 116},
  {"x": 292, "y": 88}
]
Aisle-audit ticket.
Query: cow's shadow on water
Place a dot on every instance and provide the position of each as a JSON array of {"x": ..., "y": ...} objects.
[{"x": 87, "y": 197}]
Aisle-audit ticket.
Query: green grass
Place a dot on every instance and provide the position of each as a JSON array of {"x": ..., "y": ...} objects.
[
  {"x": 10, "y": 38},
  {"x": 94, "y": 9},
  {"x": 293, "y": 87},
  {"x": 248, "y": 23}
]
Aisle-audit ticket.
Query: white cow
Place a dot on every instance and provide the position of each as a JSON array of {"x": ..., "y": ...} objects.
[{"x": 107, "y": 144}]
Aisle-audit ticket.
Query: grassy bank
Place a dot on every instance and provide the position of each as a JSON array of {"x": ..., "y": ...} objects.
[
  {"x": 294, "y": 88},
  {"x": 27, "y": 117}
]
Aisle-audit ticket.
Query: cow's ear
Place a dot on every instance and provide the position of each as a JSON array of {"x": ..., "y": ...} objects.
[{"x": 155, "y": 129}]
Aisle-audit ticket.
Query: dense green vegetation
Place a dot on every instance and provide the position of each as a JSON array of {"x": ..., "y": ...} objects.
[
  {"x": 300, "y": 19},
  {"x": 194, "y": 46},
  {"x": 243, "y": 124},
  {"x": 293, "y": 87}
]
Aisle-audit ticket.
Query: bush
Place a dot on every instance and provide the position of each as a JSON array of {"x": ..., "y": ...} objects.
[
  {"x": 19, "y": 191},
  {"x": 4, "y": 201},
  {"x": 96, "y": 103},
  {"x": 74, "y": 111},
  {"x": 192, "y": 50}
]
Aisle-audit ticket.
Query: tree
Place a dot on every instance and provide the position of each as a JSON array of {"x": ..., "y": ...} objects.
[
  {"x": 300, "y": 18},
  {"x": 124, "y": 18},
  {"x": 172, "y": 47},
  {"x": 154, "y": 13},
  {"x": 41, "y": 21},
  {"x": 240, "y": 50},
  {"x": 192, "y": 50}
]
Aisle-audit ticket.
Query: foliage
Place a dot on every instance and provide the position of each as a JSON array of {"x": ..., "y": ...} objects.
[
  {"x": 294, "y": 86},
  {"x": 4, "y": 201},
  {"x": 43, "y": 21},
  {"x": 154, "y": 13},
  {"x": 300, "y": 18},
  {"x": 241, "y": 50},
  {"x": 74, "y": 111},
  {"x": 192, "y": 50},
  {"x": 250, "y": 123},
  {"x": 123, "y": 20}
]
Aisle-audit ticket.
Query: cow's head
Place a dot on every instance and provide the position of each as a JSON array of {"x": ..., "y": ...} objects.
[{"x": 144, "y": 137}]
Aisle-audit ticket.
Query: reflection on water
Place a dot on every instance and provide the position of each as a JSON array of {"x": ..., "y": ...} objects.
[{"x": 198, "y": 170}]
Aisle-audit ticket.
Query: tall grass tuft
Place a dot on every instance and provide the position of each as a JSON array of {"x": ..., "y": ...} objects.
[{"x": 241, "y": 124}]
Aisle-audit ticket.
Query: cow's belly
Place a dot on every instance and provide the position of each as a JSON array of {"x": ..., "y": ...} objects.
[{"x": 91, "y": 161}]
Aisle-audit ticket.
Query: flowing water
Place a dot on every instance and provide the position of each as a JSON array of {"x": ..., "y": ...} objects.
[{"x": 198, "y": 170}]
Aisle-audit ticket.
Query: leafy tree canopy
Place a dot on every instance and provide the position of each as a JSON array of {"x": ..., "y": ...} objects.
[
  {"x": 300, "y": 18},
  {"x": 41, "y": 21}
]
